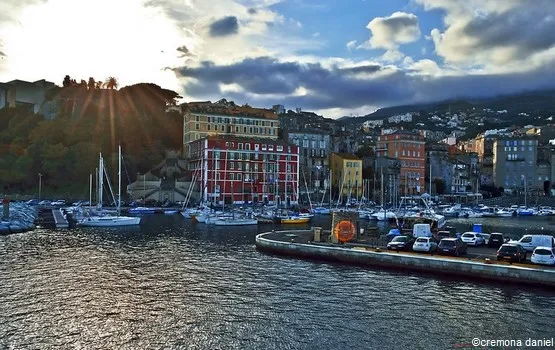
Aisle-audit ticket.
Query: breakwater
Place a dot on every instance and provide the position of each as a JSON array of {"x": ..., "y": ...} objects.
[
  {"x": 301, "y": 244},
  {"x": 17, "y": 217}
]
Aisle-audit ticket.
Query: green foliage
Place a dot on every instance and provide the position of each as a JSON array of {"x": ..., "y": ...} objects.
[{"x": 89, "y": 121}]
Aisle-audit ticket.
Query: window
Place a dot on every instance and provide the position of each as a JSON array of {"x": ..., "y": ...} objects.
[
  {"x": 197, "y": 126},
  {"x": 305, "y": 143},
  {"x": 322, "y": 144},
  {"x": 270, "y": 147},
  {"x": 250, "y": 130},
  {"x": 263, "y": 147},
  {"x": 240, "y": 146},
  {"x": 208, "y": 127},
  {"x": 256, "y": 147},
  {"x": 236, "y": 129},
  {"x": 248, "y": 146},
  {"x": 279, "y": 148},
  {"x": 197, "y": 118},
  {"x": 239, "y": 176},
  {"x": 244, "y": 129}
]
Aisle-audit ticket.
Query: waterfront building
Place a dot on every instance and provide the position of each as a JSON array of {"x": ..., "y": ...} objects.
[
  {"x": 201, "y": 119},
  {"x": 237, "y": 170},
  {"x": 346, "y": 175},
  {"x": 515, "y": 163},
  {"x": 24, "y": 93},
  {"x": 390, "y": 168},
  {"x": 408, "y": 147},
  {"x": 314, "y": 150}
]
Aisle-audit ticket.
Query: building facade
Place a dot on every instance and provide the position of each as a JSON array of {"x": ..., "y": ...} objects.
[
  {"x": 314, "y": 150},
  {"x": 514, "y": 163},
  {"x": 408, "y": 147},
  {"x": 24, "y": 93},
  {"x": 233, "y": 170},
  {"x": 201, "y": 119},
  {"x": 346, "y": 176}
]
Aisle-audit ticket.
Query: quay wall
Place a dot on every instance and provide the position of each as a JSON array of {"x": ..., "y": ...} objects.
[{"x": 418, "y": 263}]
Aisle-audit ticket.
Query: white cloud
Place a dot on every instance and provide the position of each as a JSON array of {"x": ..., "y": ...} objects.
[
  {"x": 351, "y": 44},
  {"x": 389, "y": 32},
  {"x": 494, "y": 35},
  {"x": 392, "y": 55}
]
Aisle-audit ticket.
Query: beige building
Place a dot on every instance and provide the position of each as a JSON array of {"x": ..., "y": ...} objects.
[
  {"x": 201, "y": 119},
  {"x": 346, "y": 175}
]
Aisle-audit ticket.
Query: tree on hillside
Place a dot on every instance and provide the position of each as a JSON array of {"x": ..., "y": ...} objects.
[
  {"x": 111, "y": 83},
  {"x": 67, "y": 81},
  {"x": 91, "y": 84}
]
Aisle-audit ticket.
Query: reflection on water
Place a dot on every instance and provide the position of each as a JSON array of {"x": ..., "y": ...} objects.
[{"x": 173, "y": 284}]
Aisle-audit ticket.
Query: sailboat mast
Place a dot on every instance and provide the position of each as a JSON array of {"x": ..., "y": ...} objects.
[
  {"x": 119, "y": 179},
  {"x": 90, "y": 191},
  {"x": 100, "y": 180}
]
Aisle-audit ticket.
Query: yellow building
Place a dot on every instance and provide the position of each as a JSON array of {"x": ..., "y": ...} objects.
[
  {"x": 346, "y": 175},
  {"x": 201, "y": 119}
]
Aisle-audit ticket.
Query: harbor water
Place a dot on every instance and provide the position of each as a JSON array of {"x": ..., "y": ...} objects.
[{"x": 175, "y": 285}]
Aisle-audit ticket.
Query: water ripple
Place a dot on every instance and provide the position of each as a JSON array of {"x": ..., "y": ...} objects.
[{"x": 171, "y": 284}]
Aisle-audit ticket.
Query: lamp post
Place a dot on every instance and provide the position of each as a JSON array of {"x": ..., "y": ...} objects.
[{"x": 40, "y": 184}]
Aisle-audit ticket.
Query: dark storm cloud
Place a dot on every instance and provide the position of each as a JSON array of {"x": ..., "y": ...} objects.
[
  {"x": 527, "y": 28},
  {"x": 224, "y": 26},
  {"x": 263, "y": 78},
  {"x": 400, "y": 23}
]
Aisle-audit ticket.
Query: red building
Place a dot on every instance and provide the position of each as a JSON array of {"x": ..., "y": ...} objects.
[
  {"x": 229, "y": 169},
  {"x": 408, "y": 147}
]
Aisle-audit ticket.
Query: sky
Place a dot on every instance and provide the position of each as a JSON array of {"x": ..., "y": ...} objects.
[{"x": 335, "y": 57}]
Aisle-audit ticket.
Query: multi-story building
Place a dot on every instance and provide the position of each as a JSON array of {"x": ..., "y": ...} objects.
[
  {"x": 314, "y": 150},
  {"x": 408, "y": 147},
  {"x": 24, "y": 93},
  {"x": 229, "y": 169},
  {"x": 346, "y": 175},
  {"x": 372, "y": 124},
  {"x": 514, "y": 163},
  {"x": 201, "y": 119}
]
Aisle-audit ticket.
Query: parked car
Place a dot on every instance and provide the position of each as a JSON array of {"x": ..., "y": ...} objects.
[
  {"x": 425, "y": 244},
  {"x": 530, "y": 242},
  {"x": 59, "y": 203},
  {"x": 486, "y": 237},
  {"x": 452, "y": 246},
  {"x": 401, "y": 243},
  {"x": 543, "y": 256},
  {"x": 473, "y": 238},
  {"x": 496, "y": 240},
  {"x": 511, "y": 252}
]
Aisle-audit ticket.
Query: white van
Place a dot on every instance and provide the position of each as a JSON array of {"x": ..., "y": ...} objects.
[
  {"x": 530, "y": 242},
  {"x": 421, "y": 230}
]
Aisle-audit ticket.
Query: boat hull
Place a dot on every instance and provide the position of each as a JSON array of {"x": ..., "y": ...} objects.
[
  {"x": 110, "y": 221},
  {"x": 294, "y": 220}
]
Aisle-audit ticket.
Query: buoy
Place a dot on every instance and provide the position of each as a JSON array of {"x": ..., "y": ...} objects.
[{"x": 344, "y": 231}]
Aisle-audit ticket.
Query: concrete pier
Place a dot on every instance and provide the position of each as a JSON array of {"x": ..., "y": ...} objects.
[{"x": 301, "y": 244}]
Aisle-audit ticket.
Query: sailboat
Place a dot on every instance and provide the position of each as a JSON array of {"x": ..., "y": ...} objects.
[{"x": 109, "y": 220}]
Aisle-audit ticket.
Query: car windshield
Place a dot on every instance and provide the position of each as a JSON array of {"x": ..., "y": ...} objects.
[
  {"x": 422, "y": 240},
  {"x": 496, "y": 236},
  {"x": 508, "y": 249},
  {"x": 468, "y": 235},
  {"x": 447, "y": 243},
  {"x": 542, "y": 252},
  {"x": 400, "y": 239}
]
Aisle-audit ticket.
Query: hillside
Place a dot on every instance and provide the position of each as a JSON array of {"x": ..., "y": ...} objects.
[{"x": 534, "y": 102}]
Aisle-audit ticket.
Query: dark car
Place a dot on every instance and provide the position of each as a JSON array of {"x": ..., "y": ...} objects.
[
  {"x": 401, "y": 243},
  {"x": 496, "y": 240},
  {"x": 511, "y": 252},
  {"x": 451, "y": 246}
]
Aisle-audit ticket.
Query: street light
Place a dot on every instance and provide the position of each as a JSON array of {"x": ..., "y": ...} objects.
[{"x": 40, "y": 184}]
